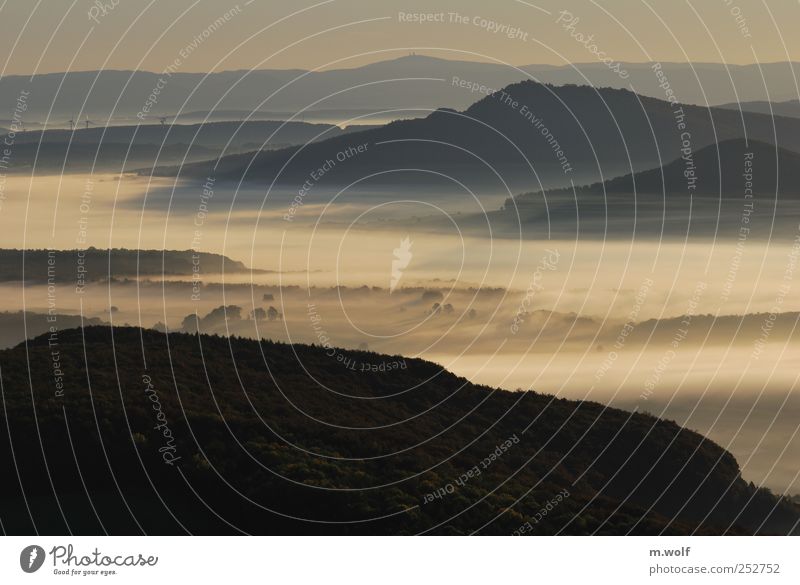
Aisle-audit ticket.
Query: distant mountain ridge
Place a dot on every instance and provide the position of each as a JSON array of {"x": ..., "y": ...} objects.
[
  {"x": 95, "y": 94},
  {"x": 788, "y": 109},
  {"x": 525, "y": 131}
]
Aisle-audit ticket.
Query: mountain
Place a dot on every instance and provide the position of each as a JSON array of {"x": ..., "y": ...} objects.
[
  {"x": 211, "y": 435},
  {"x": 756, "y": 198},
  {"x": 706, "y": 84},
  {"x": 408, "y": 82},
  {"x": 17, "y": 326},
  {"x": 346, "y": 117},
  {"x": 788, "y": 109},
  {"x": 108, "y": 157},
  {"x": 525, "y": 133},
  {"x": 412, "y": 81},
  {"x": 118, "y": 148},
  {"x": 253, "y": 134},
  {"x": 92, "y": 264},
  {"x": 720, "y": 170}
]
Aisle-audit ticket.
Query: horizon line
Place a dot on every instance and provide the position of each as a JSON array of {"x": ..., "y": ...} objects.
[{"x": 410, "y": 56}]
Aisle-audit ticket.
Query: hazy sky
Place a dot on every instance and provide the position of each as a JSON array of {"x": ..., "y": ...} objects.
[{"x": 56, "y": 35}]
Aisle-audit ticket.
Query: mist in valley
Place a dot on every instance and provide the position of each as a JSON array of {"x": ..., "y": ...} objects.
[{"x": 698, "y": 330}]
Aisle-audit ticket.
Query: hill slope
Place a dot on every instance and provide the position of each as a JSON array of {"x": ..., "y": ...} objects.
[
  {"x": 720, "y": 169},
  {"x": 93, "y": 264},
  {"x": 209, "y": 134},
  {"x": 425, "y": 81},
  {"x": 788, "y": 109},
  {"x": 191, "y": 443},
  {"x": 119, "y": 148},
  {"x": 524, "y": 132}
]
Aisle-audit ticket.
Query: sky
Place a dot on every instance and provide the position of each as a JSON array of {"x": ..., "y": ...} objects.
[{"x": 45, "y": 36}]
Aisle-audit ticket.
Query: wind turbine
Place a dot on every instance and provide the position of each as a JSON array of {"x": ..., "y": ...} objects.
[
  {"x": 88, "y": 121},
  {"x": 72, "y": 123}
]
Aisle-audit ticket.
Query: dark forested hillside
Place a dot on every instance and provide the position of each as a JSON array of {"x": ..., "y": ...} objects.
[
  {"x": 92, "y": 264},
  {"x": 204, "y": 434},
  {"x": 728, "y": 169}
]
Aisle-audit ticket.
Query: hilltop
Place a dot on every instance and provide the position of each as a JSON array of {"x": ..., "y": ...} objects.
[{"x": 527, "y": 133}]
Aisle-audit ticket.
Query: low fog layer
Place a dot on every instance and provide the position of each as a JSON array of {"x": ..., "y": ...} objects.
[
  {"x": 638, "y": 320},
  {"x": 727, "y": 376}
]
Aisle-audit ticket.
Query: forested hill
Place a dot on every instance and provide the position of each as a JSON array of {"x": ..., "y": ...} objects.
[
  {"x": 349, "y": 443},
  {"x": 93, "y": 264},
  {"x": 729, "y": 169},
  {"x": 563, "y": 131}
]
